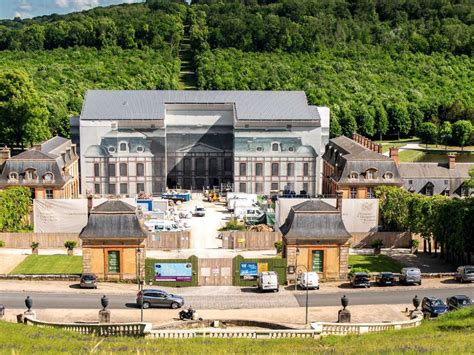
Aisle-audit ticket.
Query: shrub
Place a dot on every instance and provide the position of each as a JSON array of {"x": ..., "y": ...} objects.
[
  {"x": 414, "y": 243},
  {"x": 279, "y": 246},
  {"x": 377, "y": 243},
  {"x": 70, "y": 244},
  {"x": 2, "y": 243},
  {"x": 233, "y": 225},
  {"x": 34, "y": 245}
]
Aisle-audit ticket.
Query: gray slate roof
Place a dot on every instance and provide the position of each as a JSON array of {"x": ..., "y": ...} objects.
[
  {"x": 44, "y": 158},
  {"x": 417, "y": 175},
  {"x": 150, "y": 104},
  {"x": 314, "y": 222},
  {"x": 350, "y": 156},
  {"x": 113, "y": 219}
]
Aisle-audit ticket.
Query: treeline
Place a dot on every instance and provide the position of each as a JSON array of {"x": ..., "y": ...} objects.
[
  {"x": 14, "y": 209},
  {"x": 128, "y": 26},
  {"x": 371, "y": 92},
  {"x": 55, "y": 82},
  {"x": 310, "y": 25},
  {"x": 448, "y": 222}
]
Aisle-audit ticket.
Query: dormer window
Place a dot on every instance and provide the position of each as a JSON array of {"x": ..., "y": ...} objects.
[
  {"x": 111, "y": 149},
  {"x": 259, "y": 149},
  {"x": 123, "y": 147},
  {"x": 291, "y": 149},
  {"x": 13, "y": 176},
  {"x": 275, "y": 147},
  {"x": 30, "y": 174},
  {"x": 353, "y": 175},
  {"x": 140, "y": 149},
  {"x": 371, "y": 174},
  {"x": 48, "y": 177},
  {"x": 388, "y": 175}
]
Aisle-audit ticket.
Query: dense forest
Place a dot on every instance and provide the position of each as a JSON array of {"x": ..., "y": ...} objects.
[{"x": 384, "y": 67}]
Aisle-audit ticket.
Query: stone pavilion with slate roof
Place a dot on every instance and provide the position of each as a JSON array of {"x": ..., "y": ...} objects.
[
  {"x": 113, "y": 242},
  {"x": 314, "y": 236}
]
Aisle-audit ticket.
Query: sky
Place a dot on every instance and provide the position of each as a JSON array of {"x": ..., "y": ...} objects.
[{"x": 31, "y": 8}]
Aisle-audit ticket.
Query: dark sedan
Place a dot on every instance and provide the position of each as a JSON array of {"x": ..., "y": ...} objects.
[
  {"x": 458, "y": 301},
  {"x": 158, "y": 298},
  {"x": 360, "y": 279},
  {"x": 385, "y": 279},
  {"x": 433, "y": 307}
]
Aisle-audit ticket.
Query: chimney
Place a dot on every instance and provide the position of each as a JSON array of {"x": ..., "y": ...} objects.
[
  {"x": 339, "y": 200},
  {"x": 4, "y": 155},
  {"x": 90, "y": 204},
  {"x": 394, "y": 155},
  {"x": 452, "y": 160}
]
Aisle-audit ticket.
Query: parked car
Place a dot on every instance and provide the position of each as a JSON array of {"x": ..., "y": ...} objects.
[
  {"x": 464, "y": 274},
  {"x": 458, "y": 301},
  {"x": 433, "y": 306},
  {"x": 410, "y": 275},
  {"x": 308, "y": 280},
  {"x": 158, "y": 298},
  {"x": 385, "y": 279},
  {"x": 88, "y": 281},
  {"x": 360, "y": 279},
  {"x": 268, "y": 281},
  {"x": 199, "y": 211},
  {"x": 155, "y": 225}
]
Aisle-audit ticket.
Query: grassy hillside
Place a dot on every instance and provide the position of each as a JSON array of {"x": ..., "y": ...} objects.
[{"x": 451, "y": 334}]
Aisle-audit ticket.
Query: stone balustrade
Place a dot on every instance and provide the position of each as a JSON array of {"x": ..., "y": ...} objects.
[{"x": 110, "y": 329}]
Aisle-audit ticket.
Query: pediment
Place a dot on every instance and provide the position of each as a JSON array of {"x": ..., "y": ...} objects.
[{"x": 199, "y": 148}]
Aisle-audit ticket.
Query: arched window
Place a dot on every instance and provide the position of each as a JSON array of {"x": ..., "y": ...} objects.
[
  {"x": 275, "y": 147},
  {"x": 353, "y": 175},
  {"x": 123, "y": 147},
  {"x": 371, "y": 174},
  {"x": 13, "y": 176},
  {"x": 30, "y": 174},
  {"x": 388, "y": 175},
  {"x": 48, "y": 177}
]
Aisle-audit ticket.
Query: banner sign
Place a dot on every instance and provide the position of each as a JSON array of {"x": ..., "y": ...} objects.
[
  {"x": 174, "y": 272},
  {"x": 248, "y": 271}
]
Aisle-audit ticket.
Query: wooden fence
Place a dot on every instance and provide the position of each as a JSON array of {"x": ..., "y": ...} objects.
[
  {"x": 389, "y": 239},
  {"x": 163, "y": 240},
  {"x": 250, "y": 240}
]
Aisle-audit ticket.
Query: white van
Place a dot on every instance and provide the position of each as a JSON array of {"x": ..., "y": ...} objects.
[
  {"x": 268, "y": 281},
  {"x": 308, "y": 280}
]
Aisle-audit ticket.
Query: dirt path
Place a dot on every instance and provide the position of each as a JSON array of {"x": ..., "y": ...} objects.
[{"x": 9, "y": 262}]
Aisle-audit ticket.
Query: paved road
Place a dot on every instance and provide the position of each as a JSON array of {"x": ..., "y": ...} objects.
[{"x": 248, "y": 299}]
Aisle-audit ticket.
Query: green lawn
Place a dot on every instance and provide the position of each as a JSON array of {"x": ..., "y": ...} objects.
[
  {"x": 49, "y": 264},
  {"x": 375, "y": 263},
  {"x": 451, "y": 334},
  {"x": 408, "y": 156}
]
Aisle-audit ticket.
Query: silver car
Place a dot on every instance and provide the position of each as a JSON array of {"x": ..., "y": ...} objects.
[
  {"x": 158, "y": 298},
  {"x": 464, "y": 274},
  {"x": 410, "y": 275}
]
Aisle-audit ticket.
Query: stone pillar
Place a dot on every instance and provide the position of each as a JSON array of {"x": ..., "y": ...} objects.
[
  {"x": 86, "y": 260},
  {"x": 104, "y": 316},
  {"x": 343, "y": 261},
  {"x": 344, "y": 316}
]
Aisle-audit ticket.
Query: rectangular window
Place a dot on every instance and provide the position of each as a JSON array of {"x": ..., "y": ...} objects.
[
  {"x": 275, "y": 169},
  {"x": 318, "y": 260},
  {"x": 111, "y": 169},
  {"x": 96, "y": 169},
  {"x": 123, "y": 188},
  {"x": 290, "y": 169},
  {"x": 140, "y": 169},
  {"x": 112, "y": 189},
  {"x": 243, "y": 169},
  {"x": 97, "y": 188},
  {"x": 275, "y": 186},
  {"x": 258, "y": 187},
  {"x": 228, "y": 165},
  {"x": 140, "y": 188},
  {"x": 242, "y": 187},
  {"x": 123, "y": 169},
  {"x": 305, "y": 169},
  {"x": 258, "y": 169},
  {"x": 370, "y": 192},
  {"x": 353, "y": 192},
  {"x": 113, "y": 261},
  {"x": 49, "y": 194}
]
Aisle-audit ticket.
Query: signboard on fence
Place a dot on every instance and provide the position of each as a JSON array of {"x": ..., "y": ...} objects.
[
  {"x": 173, "y": 272},
  {"x": 248, "y": 271}
]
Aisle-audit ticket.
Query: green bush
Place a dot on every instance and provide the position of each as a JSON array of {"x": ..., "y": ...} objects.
[
  {"x": 414, "y": 243},
  {"x": 2, "y": 243},
  {"x": 377, "y": 243},
  {"x": 34, "y": 245},
  {"x": 70, "y": 244},
  {"x": 233, "y": 225},
  {"x": 279, "y": 246}
]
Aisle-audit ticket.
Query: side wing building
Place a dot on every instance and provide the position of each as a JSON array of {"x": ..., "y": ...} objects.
[{"x": 134, "y": 142}]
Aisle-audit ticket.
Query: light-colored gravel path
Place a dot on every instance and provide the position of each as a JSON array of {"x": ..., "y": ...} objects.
[{"x": 9, "y": 262}]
